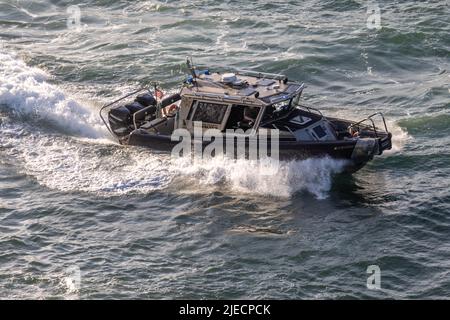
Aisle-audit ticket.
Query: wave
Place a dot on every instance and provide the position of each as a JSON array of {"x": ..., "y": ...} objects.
[
  {"x": 267, "y": 178},
  {"x": 80, "y": 156},
  {"x": 434, "y": 124},
  {"x": 26, "y": 91},
  {"x": 400, "y": 137},
  {"x": 85, "y": 165}
]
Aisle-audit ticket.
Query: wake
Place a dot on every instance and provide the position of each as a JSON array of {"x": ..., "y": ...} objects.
[{"x": 25, "y": 91}]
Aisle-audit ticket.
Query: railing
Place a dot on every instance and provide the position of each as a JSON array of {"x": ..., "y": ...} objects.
[
  {"x": 264, "y": 75},
  {"x": 370, "y": 118},
  {"x": 310, "y": 109},
  {"x": 223, "y": 98}
]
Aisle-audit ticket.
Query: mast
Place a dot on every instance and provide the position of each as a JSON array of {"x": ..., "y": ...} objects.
[{"x": 191, "y": 68}]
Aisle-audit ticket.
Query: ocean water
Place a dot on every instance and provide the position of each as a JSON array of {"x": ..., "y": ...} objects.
[{"x": 82, "y": 217}]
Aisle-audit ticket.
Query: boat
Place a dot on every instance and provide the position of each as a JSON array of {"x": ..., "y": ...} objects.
[{"x": 250, "y": 104}]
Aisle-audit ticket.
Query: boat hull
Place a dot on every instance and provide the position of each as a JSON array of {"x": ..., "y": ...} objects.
[{"x": 356, "y": 152}]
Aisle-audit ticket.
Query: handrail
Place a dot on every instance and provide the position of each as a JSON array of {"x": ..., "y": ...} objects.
[
  {"x": 370, "y": 118},
  {"x": 113, "y": 103},
  {"x": 222, "y": 98},
  {"x": 265, "y": 75},
  {"x": 310, "y": 109}
]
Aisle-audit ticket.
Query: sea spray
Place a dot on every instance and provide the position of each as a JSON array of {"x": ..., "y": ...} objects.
[
  {"x": 26, "y": 91},
  {"x": 313, "y": 175},
  {"x": 399, "y": 138},
  {"x": 71, "y": 165}
]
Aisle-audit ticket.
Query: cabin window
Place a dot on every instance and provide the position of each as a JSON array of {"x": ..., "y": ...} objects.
[
  {"x": 242, "y": 117},
  {"x": 320, "y": 133},
  {"x": 296, "y": 99},
  {"x": 209, "y": 112},
  {"x": 236, "y": 115}
]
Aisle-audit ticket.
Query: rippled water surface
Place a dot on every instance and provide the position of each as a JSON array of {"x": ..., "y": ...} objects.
[{"x": 134, "y": 224}]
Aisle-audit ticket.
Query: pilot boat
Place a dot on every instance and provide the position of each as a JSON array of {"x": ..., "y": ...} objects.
[{"x": 251, "y": 104}]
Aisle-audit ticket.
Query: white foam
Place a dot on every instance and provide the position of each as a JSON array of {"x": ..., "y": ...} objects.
[
  {"x": 313, "y": 175},
  {"x": 26, "y": 90},
  {"x": 69, "y": 165},
  {"x": 399, "y": 138},
  {"x": 87, "y": 162}
]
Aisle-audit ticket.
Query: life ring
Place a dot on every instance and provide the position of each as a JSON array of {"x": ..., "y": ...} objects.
[{"x": 171, "y": 109}]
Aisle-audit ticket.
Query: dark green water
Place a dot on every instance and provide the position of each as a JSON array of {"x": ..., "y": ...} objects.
[{"x": 138, "y": 225}]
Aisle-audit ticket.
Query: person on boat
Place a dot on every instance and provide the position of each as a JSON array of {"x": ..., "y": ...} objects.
[{"x": 250, "y": 115}]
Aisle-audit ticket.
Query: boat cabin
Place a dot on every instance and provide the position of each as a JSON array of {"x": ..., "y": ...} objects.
[
  {"x": 246, "y": 101},
  {"x": 234, "y": 100}
]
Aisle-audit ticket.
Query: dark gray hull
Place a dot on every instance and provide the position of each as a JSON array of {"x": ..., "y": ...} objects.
[{"x": 350, "y": 150}]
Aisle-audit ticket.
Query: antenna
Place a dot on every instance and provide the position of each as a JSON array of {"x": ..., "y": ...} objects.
[{"x": 191, "y": 67}]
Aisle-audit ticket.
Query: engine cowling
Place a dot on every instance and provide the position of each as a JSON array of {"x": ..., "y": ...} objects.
[
  {"x": 146, "y": 99},
  {"x": 119, "y": 120}
]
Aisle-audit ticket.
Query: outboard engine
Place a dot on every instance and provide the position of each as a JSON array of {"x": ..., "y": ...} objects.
[
  {"x": 120, "y": 119},
  {"x": 142, "y": 101},
  {"x": 146, "y": 99},
  {"x": 134, "y": 107}
]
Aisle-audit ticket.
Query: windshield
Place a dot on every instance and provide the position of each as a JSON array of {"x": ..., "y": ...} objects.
[
  {"x": 281, "y": 108},
  {"x": 282, "y": 105},
  {"x": 287, "y": 104},
  {"x": 296, "y": 99},
  {"x": 277, "y": 110}
]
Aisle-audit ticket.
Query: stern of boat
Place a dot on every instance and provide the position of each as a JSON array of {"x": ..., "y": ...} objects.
[{"x": 371, "y": 141}]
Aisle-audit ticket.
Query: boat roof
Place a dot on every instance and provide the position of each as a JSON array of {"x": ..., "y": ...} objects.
[{"x": 249, "y": 88}]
